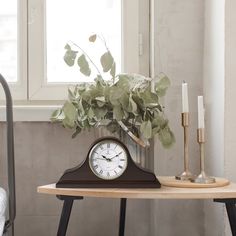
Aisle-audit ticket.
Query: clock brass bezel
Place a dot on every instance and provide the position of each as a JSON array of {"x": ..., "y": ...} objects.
[{"x": 101, "y": 142}]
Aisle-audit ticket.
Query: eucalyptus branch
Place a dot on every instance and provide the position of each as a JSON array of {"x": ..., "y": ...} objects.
[
  {"x": 129, "y": 105},
  {"x": 88, "y": 58},
  {"x": 104, "y": 42}
]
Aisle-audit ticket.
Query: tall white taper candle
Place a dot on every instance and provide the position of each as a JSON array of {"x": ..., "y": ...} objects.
[
  {"x": 185, "y": 106},
  {"x": 201, "y": 123}
]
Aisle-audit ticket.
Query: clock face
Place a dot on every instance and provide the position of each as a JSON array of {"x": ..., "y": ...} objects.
[{"x": 108, "y": 159}]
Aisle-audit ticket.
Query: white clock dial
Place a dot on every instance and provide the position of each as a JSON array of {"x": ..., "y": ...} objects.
[{"x": 108, "y": 159}]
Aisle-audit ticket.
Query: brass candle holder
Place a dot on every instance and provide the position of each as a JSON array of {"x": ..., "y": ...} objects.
[
  {"x": 202, "y": 177},
  {"x": 186, "y": 175}
]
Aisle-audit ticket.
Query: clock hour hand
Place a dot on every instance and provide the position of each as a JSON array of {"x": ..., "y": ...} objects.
[
  {"x": 104, "y": 157},
  {"x": 107, "y": 159}
]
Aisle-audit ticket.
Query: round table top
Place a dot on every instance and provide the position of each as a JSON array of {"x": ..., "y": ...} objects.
[{"x": 164, "y": 192}]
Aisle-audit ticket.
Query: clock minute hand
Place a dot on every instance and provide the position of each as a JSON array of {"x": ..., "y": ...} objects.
[{"x": 116, "y": 155}]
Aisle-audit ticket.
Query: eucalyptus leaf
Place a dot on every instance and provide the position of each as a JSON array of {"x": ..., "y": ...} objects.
[
  {"x": 162, "y": 85},
  {"x": 90, "y": 113},
  {"x": 113, "y": 127},
  {"x": 70, "y": 111},
  {"x": 124, "y": 100},
  {"x": 100, "y": 112},
  {"x": 101, "y": 101},
  {"x": 100, "y": 104},
  {"x": 93, "y": 38},
  {"x": 166, "y": 137},
  {"x": 146, "y": 129},
  {"x": 124, "y": 82},
  {"x": 77, "y": 131},
  {"x": 149, "y": 98},
  {"x": 57, "y": 115},
  {"x": 104, "y": 122},
  {"x": 71, "y": 95},
  {"x": 106, "y": 61},
  {"x": 132, "y": 107},
  {"x": 115, "y": 94},
  {"x": 70, "y": 56},
  {"x": 95, "y": 92},
  {"x": 67, "y": 123},
  {"x": 113, "y": 70},
  {"x": 155, "y": 131},
  {"x": 159, "y": 121},
  {"x": 67, "y": 47},
  {"x": 84, "y": 66},
  {"x": 118, "y": 113},
  {"x": 80, "y": 106}
]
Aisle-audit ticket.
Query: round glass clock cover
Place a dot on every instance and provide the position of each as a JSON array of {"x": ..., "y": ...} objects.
[{"x": 108, "y": 159}]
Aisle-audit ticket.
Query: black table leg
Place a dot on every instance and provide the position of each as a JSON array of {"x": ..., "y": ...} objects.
[
  {"x": 122, "y": 216},
  {"x": 65, "y": 214},
  {"x": 231, "y": 211}
]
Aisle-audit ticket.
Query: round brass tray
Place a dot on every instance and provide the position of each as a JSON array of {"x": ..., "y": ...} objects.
[{"x": 170, "y": 181}]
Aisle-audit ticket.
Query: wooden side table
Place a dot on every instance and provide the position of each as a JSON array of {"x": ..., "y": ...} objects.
[{"x": 226, "y": 195}]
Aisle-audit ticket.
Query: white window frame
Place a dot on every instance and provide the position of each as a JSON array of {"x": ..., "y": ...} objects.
[
  {"x": 31, "y": 92},
  {"x": 39, "y": 89}
]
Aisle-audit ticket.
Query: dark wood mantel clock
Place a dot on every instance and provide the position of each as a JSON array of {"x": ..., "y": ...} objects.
[{"x": 108, "y": 165}]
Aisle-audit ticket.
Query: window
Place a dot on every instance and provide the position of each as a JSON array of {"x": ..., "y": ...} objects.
[
  {"x": 13, "y": 44},
  {"x": 33, "y": 34},
  {"x": 8, "y": 40},
  {"x": 75, "y": 26}
]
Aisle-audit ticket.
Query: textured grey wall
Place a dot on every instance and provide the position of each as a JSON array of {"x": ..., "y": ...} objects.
[
  {"x": 179, "y": 53},
  {"x": 42, "y": 152},
  {"x": 230, "y": 95}
]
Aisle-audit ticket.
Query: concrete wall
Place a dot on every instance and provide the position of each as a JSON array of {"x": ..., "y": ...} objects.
[{"x": 179, "y": 53}]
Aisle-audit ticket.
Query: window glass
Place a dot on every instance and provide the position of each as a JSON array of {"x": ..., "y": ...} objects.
[
  {"x": 8, "y": 39},
  {"x": 70, "y": 21}
]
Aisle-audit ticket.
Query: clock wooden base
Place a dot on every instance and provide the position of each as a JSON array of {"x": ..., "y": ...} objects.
[{"x": 133, "y": 177}]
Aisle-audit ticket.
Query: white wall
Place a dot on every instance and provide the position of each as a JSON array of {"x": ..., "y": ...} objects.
[{"x": 213, "y": 64}]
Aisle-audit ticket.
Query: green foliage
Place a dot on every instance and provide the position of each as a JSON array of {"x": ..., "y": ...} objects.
[{"x": 126, "y": 97}]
